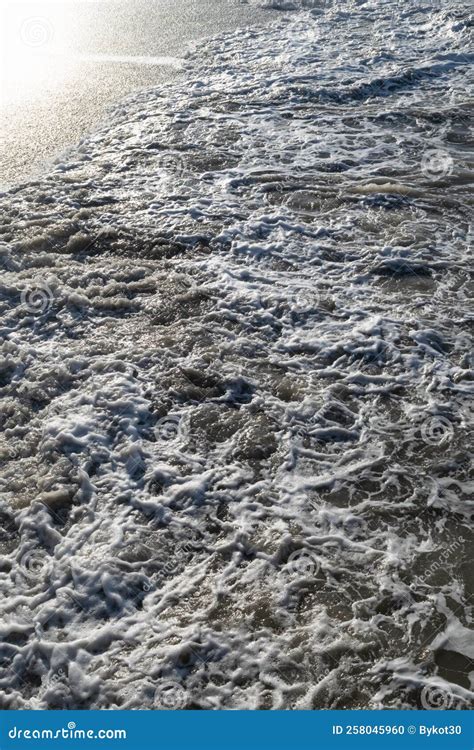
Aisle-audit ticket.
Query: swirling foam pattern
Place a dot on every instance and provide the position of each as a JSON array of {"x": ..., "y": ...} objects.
[{"x": 235, "y": 422}]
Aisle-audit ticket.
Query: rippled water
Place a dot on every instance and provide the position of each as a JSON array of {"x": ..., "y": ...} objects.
[{"x": 236, "y": 380}]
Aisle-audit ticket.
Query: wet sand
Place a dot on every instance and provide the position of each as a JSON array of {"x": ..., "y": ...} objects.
[{"x": 64, "y": 64}]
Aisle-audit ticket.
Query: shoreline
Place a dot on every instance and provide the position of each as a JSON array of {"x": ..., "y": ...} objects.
[{"x": 82, "y": 86}]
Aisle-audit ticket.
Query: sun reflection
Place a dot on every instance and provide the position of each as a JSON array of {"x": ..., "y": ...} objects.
[{"x": 34, "y": 55}]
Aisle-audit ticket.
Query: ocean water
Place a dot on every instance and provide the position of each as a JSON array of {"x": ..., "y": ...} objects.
[{"x": 236, "y": 380}]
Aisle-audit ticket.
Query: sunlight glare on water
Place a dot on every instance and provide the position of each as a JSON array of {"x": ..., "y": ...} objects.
[
  {"x": 29, "y": 37},
  {"x": 62, "y": 63}
]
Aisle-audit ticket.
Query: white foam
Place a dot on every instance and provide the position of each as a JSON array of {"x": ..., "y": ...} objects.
[{"x": 236, "y": 373}]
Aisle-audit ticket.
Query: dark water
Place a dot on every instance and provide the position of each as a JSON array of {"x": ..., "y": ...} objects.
[{"x": 237, "y": 381}]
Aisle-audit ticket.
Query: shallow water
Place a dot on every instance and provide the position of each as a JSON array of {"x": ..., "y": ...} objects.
[
  {"x": 64, "y": 63},
  {"x": 237, "y": 382}
]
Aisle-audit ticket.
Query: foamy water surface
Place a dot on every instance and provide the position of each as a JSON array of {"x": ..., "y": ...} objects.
[{"x": 236, "y": 381}]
